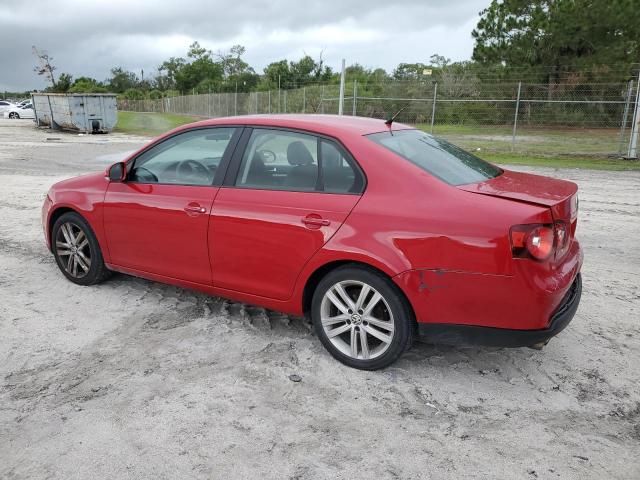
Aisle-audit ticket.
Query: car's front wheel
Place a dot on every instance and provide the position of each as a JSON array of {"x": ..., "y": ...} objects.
[
  {"x": 14, "y": 115},
  {"x": 77, "y": 251},
  {"x": 362, "y": 318}
]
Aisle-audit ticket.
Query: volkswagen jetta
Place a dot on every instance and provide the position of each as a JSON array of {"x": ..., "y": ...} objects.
[{"x": 375, "y": 230}]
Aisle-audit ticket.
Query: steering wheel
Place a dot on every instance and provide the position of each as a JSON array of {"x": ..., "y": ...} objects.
[
  {"x": 193, "y": 170},
  {"x": 144, "y": 175},
  {"x": 268, "y": 156}
]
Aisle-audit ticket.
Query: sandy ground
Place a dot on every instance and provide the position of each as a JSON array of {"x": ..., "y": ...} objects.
[{"x": 134, "y": 379}]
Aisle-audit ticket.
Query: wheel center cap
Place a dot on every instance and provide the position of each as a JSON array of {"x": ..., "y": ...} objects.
[
  {"x": 356, "y": 319},
  {"x": 74, "y": 249}
]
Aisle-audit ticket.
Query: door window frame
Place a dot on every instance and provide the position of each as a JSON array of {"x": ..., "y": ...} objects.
[
  {"x": 220, "y": 171},
  {"x": 233, "y": 169}
]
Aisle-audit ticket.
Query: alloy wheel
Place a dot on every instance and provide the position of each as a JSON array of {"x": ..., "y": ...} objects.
[
  {"x": 357, "y": 319},
  {"x": 73, "y": 250}
]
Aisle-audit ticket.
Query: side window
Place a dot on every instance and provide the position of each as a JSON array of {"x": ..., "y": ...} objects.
[
  {"x": 189, "y": 158},
  {"x": 338, "y": 172},
  {"x": 279, "y": 160}
]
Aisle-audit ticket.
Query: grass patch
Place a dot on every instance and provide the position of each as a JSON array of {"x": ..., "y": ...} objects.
[
  {"x": 590, "y": 163},
  {"x": 151, "y": 124}
]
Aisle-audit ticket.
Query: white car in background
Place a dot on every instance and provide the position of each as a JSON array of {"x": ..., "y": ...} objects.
[
  {"x": 6, "y": 105},
  {"x": 26, "y": 111}
]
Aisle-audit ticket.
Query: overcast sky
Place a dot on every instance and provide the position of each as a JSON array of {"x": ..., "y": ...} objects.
[{"x": 88, "y": 38}]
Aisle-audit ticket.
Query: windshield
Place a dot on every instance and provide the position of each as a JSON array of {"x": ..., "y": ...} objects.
[{"x": 436, "y": 156}]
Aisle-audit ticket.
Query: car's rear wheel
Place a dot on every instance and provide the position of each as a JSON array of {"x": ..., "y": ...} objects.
[
  {"x": 14, "y": 115},
  {"x": 77, "y": 251},
  {"x": 362, "y": 318}
]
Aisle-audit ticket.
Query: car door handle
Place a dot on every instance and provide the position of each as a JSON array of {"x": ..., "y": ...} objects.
[
  {"x": 315, "y": 221},
  {"x": 195, "y": 208}
]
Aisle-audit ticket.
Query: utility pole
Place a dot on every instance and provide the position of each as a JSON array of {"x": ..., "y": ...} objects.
[
  {"x": 341, "y": 101},
  {"x": 235, "y": 100}
]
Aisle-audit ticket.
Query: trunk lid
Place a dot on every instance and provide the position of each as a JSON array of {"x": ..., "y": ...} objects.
[{"x": 559, "y": 195}]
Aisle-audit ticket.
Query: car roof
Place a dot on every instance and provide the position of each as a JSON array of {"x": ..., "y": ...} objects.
[{"x": 331, "y": 125}]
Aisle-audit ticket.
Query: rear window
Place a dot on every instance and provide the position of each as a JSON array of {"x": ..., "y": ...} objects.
[{"x": 436, "y": 156}]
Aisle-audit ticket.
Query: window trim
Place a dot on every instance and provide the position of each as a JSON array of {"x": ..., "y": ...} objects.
[
  {"x": 234, "y": 168},
  {"x": 220, "y": 171}
]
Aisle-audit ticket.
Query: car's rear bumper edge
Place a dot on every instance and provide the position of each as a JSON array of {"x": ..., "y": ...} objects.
[{"x": 456, "y": 334}]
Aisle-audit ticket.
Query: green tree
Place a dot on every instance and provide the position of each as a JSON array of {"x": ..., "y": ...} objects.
[
  {"x": 167, "y": 72},
  {"x": 409, "y": 71},
  {"x": 277, "y": 71},
  {"x": 122, "y": 80},
  {"x": 295, "y": 74},
  {"x": 200, "y": 68},
  {"x": 557, "y": 35},
  {"x": 133, "y": 94},
  {"x": 63, "y": 84},
  {"x": 87, "y": 85}
]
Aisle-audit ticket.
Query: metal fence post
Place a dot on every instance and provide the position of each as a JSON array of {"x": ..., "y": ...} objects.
[
  {"x": 355, "y": 92},
  {"x": 433, "y": 110},
  {"x": 341, "y": 101},
  {"x": 515, "y": 118},
  {"x": 633, "y": 141},
  {"x": 235, "y": 101},
  {"x": 285, "y": 101},
  {"x": 269, "y": 101},
  {"x": 625, "y": 115},
  {"x": 304, "y": 99},
  {"x": 322, "y": 99}
]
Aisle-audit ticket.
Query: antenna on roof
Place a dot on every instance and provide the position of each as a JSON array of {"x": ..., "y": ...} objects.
[{"x": 390, "y": 120}]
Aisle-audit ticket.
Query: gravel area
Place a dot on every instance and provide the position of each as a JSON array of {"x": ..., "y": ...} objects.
[{"x": 135, "y": 379}]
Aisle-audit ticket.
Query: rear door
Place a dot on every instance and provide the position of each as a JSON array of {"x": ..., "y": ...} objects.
[
  {"x": 157, "y": 220},
  {"x": 276, "y": 210}
]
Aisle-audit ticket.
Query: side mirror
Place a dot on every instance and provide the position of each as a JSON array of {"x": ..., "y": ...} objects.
[{"x": 117, "y": 172}]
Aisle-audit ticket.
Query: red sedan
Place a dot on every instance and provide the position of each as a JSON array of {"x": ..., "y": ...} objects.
[{"x": 377, "y": 231}]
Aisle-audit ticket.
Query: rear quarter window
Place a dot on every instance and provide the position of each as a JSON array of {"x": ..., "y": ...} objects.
[{"x": 438, "y": 157}]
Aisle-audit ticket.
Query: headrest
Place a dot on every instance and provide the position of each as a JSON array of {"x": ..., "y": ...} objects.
[{"x": 297, "y": 154}]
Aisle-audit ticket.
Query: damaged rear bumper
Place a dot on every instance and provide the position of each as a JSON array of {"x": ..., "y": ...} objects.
[{"x": 455, "y": 334}]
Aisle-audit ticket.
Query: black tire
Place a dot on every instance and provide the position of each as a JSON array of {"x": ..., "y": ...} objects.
[
  {"x": 97, "y": 271},
  {"x": 402, "y": 314},
  {"x": 14, "y": 115}
]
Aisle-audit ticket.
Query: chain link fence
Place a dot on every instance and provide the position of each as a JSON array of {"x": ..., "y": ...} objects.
[{"x": 592, "y": 119}]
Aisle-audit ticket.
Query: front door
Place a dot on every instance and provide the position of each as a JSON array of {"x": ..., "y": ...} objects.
[
  {"x": 157, "y": 220},
  {"x": 291, "y": 193}
]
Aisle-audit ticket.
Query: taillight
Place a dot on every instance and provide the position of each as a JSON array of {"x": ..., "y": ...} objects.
[{"x": 539, "y": 241}]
